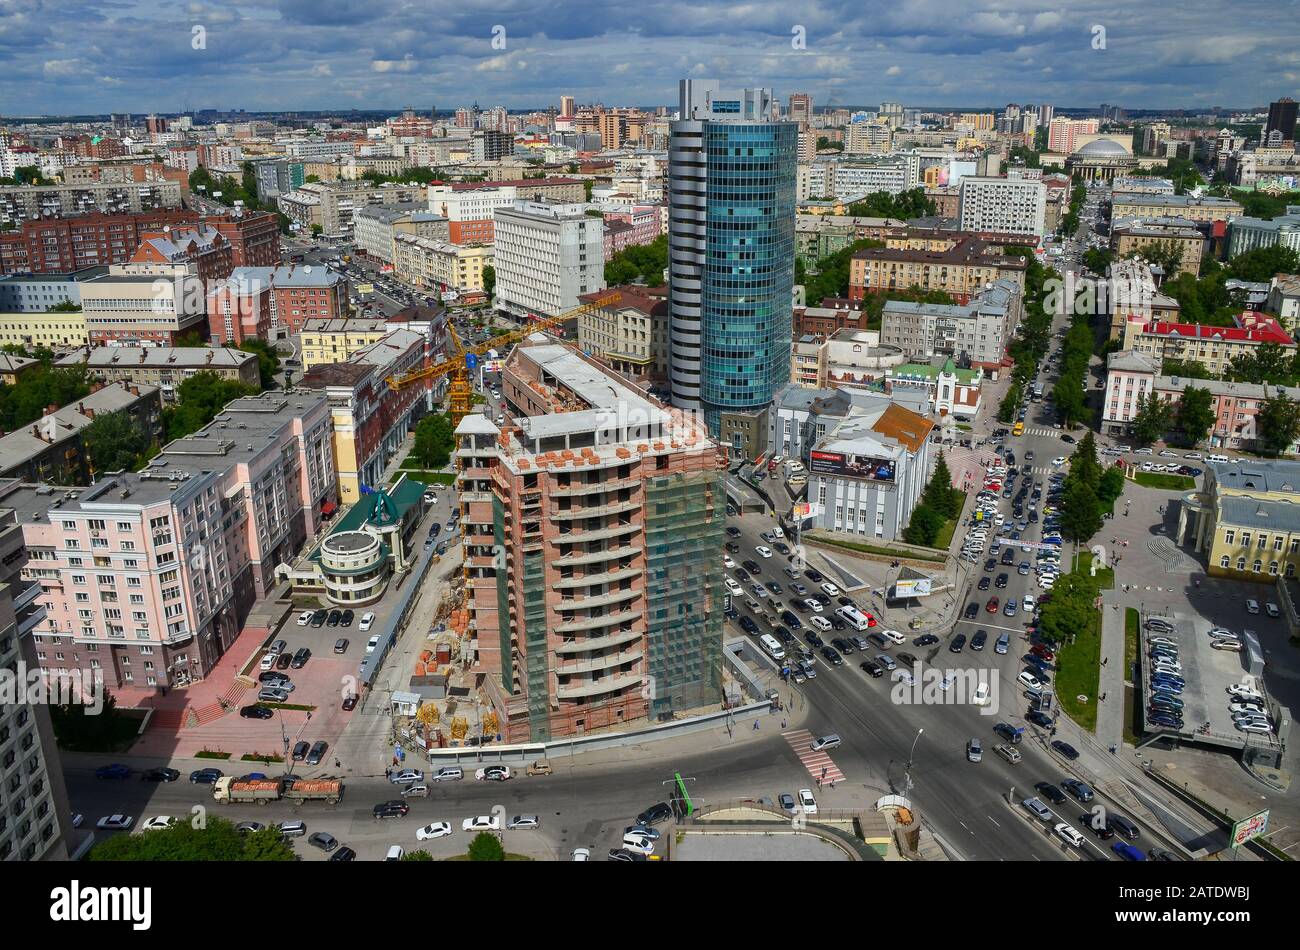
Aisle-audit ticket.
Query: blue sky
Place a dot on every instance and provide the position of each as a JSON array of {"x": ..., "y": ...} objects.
[{"x": 70, "y": 56}]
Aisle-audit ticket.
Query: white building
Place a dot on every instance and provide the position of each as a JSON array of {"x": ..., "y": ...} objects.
[
  {"x": 1128, "y": 375},
  {"x": 1006, "y": 205},
  {"x": 547, "y": 255}
]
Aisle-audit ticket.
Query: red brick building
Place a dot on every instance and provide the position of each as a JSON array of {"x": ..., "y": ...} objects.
[
  {"x": 254, "y": 238},
  {"x": 64, "y": 245},
  {"x": 269, "y": 302},
  {"x": 198, "y": 244}
]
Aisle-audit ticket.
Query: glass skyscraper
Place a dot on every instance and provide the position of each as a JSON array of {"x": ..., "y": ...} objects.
[{"x": 731, "y": 186}]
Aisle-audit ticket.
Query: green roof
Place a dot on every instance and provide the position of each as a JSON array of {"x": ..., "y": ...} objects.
[
  {"x": 382, "y": 509},
  {"x": 925, "y": 371}
]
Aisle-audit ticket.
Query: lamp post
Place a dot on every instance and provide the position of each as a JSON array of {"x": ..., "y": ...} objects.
[{"x": 907, "y": 777}]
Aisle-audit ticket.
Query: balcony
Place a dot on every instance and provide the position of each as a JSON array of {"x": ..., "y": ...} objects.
[
  {"x": 596, "y": 557},
  {"x": 598, "y": 600},
  {"x": 604, "y": 662},
  {"x": 595, "y": 623},
  {"x": 599, "y": 534},
  {"x": 613, "y": 684},
  {"x": 603, "y": 486},
  {"x": 604, "y": 577},
  {"x": 599, "y": 643}
]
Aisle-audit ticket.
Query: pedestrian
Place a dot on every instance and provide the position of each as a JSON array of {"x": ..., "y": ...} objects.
[
  {"x": 1104, "y": 660},
  {"x": 824, "y": 770},
  {"x": 756, "y": 725},
  {"x": 338, "y": 764},
  {"x": 782, "y": 723},
  {"x": 1112, "y": 749}
]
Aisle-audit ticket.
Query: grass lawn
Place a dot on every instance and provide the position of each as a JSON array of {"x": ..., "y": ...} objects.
[
  {"x": 1168, "y": 482},
  {"x": 428, "y": 478},
  {"x": 209, "y": 754},
  {"x": 945, "y": 534},
  {"x": 1105, "y": 577},
  {"x": 874, "y": 549},
  {"x": 1078, "y": 674}
]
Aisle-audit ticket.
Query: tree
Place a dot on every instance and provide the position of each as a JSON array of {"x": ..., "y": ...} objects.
[
  {"x": 420, "y": 855},
  {"x": 489, "y": 279},
  {"x": 434, "y": 440},
  {"x": 1083, "y": 463},
  {"x": 1277, "y": 424},
  {"x": 268, "y": 360},
  {"x": 904, "y": 205},
  {"x": 199, "y": 399},
  {"x": 645, "y": 262},
  {"x": 1080, "y": 511},
  {"x": 939, "y": 494},
  {"x": 114, "y": 442},
  {"x": 924, "y": 526},
  {"x": 37, "y": 390},
  {"x": 190, "y": 338},
  {"x": 486, "y": 847},
  {"x": 1189, "y": 369},
  {"x": 64, "y": 306},
  {"x": 79, "y": 729},
  {"x": 215, "y": 839},
  {"x": 1111, "y": 486},
  {"x": 1194, "y": 415},
  {"x": 1151, "y": 419},
  {"x": 1266, "y": 363},
  {"x": 316, "y": 230},
  {"x": 1097, "y": 259}
]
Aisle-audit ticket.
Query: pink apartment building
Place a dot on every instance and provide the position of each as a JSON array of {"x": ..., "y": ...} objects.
[{"x": 148, "y": 576}]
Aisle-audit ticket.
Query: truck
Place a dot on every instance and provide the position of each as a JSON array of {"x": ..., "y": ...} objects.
[{"x": 229, "y": 789}]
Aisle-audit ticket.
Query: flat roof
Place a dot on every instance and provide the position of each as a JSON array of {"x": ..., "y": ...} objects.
[{"x": 151, "y": 357}]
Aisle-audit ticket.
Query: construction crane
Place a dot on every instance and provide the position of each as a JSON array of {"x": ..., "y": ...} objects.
[{"x": 460, "y": 393}]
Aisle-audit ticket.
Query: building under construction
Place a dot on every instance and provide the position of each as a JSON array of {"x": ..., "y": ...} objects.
[{"x": 593, "y": 528}]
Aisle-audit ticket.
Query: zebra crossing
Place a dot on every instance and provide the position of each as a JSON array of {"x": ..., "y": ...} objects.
[
  {"x": 1041, "y": 430},
  {"x": 819, "y": 765}
]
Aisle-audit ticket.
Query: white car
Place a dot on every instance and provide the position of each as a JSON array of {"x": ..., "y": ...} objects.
[
  {"x": 493, "y": 773},
  {"x": 367, "y": 621},
  {"x": 156, "y": 823},
  {"x": 1069, "y": 835},
  {"x": 581, "y": 854},
  {"x": 482, "y": 823},
  {"x": 832, "y": 591},
  {"x": 433, "y": 831},
  {"x": 1243, "y": 690},
  {"x": 736, "y": 589},
  {"x": 981, "y": 695},
  {"x": 638, "y": 843},
  {"x": 727, "y": 562},
  {"x": 1059, "y": 460},
  {"x": 1030, "y": 682},
  {"x": 807, "y": 802},
  {"x": 1271, "y": 609},
  {"x": 115, "y": 823},
  {"x": 304, "y": 618},
  {"x": 1252, "y": 606},
  {"x": 778, "y": 533},
  {"x": 372, "y": 644},
  {"x": 763, "y": 550},
  {"x": 268, "y": 662},
  {"x": 893, "y": 635}
]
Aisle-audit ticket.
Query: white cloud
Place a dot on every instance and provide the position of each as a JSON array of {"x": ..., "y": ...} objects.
[
  {"x": 62, "y": 68},
  {"x": 403, "y": 65},
  {"x": 894, "y": 71}
]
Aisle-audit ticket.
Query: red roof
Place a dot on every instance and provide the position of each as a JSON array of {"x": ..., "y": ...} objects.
[{"x": 1251, "y": 328}]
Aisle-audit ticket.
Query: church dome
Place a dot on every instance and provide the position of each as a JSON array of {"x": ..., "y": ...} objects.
[{"x": 1104, "y": 148}]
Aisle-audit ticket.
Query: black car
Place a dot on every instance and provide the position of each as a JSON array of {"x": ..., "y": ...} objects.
[
  {"x": 335, "y": 617},
  {"x": 300, "y": 750},
  {"x": 204, "y": 776},
  {"x": 837, "y": 623},
  {"x": 790, "y": 620},
  {"x": 990, "y": 564},
  {"x": 782, "y": 634},
  {"x": 319, "y": 617},
  {"x": 271, "y": 676},
  {"x": 977, "y": 642},
  {"x": 924, "y": 640},
  {"x": 300, "y": 658},
  {"x": 655, "y": 814},
  {"x": 906, "y": 659},
  {"x": 1001, "y": 582},
  {"x": 1096, "y": 826},
  {"x": 958, "y": 643},
  {"x": 255, "y": 712},
  {"x": 160, "y": 775},
  {"x": 1078, "y": 789},
  {"x": 752, "y": 567},
  {"x": 283, "y": 661},
  {"x": 623, "y": 854},
  {"x": 1050, "y": 792},
  {"x": 847, "y": 602},
  {"x": 843, "y": 646},
  {"x": 1069, "y": 439},
  {"x": 733, "y": 531},
  {"x": 774, "y": 587},
  {"x": 1008, "y": 732},
  {"x": 972, "y": 610},
  {"x": 833, "y": 658},
  {"x": 871, "y": 669},
  {"x": 814, "y": 575},
  {"x": 1039, "y": 719},
  {"x": 393, "y": 809},
  {"x": 346, "y": 620},
  {"x": 1067, "y": 750},
  {"x": 1122, "y": 827},
  {"x": 984, "y": 583},
  {"x": 350, "y": 702},
  {"x": 748, "y": 624},
  {"x": 813, "y": 639},
  {"x": 343, "y": 854},
  {"x": 732, "y": 547},
  {"x": 317, "y": 753}
]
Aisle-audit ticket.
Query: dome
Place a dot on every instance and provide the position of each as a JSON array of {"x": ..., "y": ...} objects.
[{"x": 1104, "y": 148}]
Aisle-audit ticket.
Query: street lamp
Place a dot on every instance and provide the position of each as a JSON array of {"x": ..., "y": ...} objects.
[{"x": 907, "y": 778}]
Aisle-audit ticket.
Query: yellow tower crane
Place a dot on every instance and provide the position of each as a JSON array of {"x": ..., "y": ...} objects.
[{"x": 460, "y": 393}]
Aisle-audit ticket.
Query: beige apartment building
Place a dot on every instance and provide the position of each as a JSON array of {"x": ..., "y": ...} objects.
[
  {"x": 334, "y": 341},
  {"x": 167, "y": 366},
  {"x": 1133, "y": 236},
  {"x": 436, "y": 265}
]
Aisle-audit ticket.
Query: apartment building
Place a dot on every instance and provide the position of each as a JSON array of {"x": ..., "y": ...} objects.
[
  {"x": 198, "y": 244},
  {"x": 1062, "y": 133},
  {"x": 1188, "y": 207},
  {"x": 547, "y": 256},
  {"x": 1134, "y": 235},
  {"x": 1284, "y": 299},
  {"x": 19, "y": 203},
  {"x": 1010, "y": 205},
  {"x": 1129, "y": 375},
  {"x": 49, "y": 330},
  {"x": 166, "y": 367},
  {"x": 376, "y": 227},
  {"x": 976, "y": 333},
  {"x": 143, "y": 304},
  {"x": 370, "y": 420},
  {"x": 1247, "y": 234},
  {"x": 70, "y": 244},
  {"x": 334, "y": 341},
  {"x": 253, "y": 236},
  {"x": 267, "y": 303},
  {"x": 592, "y": 527},
  {"x": 148, "y": 576},
  {"x": 469, "y": 211},
  {"x": 959, "y": 265},
  {"x": 35, "y": 820},
  {"x": 50, "y": 449},
  {"x": 1215, "y": 347},
  {"x": 631, "y": 335},
  {"x": 437, "y": 265},
  {"x": 843, "y": 358},
  {"x": 340, "y": 200}
]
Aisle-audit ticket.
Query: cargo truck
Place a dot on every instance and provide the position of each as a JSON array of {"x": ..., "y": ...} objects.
[{"x": 261, "y": 791}]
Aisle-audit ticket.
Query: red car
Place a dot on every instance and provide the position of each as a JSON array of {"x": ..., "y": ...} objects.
[
  {"x": 871, "y": 621},
  {"x": 992, "y": 605},
  {"x": 1039, "y": 650}
]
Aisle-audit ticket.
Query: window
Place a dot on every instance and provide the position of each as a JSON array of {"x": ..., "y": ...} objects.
[
  {"x": 1241, "y": 563},
  {"x": 1229, "y": 536},
  {"x": 1257, "y": 566},
  {"x": 1223, "y": 562}
]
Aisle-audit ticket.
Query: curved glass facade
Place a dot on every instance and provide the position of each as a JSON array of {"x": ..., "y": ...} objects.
[{"x": 748, "y": 273}]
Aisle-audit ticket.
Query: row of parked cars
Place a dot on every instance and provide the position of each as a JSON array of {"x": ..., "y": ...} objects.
[
  {"x": 1165, "y": 681},
  {"x": 334, "y": 618}
]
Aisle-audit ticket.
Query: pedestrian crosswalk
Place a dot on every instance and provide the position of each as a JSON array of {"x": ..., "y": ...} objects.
[
  {"x": 819, "y": 765},
  {"x": 1041, "y": 430}
]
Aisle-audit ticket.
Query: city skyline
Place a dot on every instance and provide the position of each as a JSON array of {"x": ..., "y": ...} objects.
[{"x": 92, "y": 57}]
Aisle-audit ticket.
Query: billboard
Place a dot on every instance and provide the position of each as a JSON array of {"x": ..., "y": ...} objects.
[
  {"x": 1248, "y": 829},
  {"x": 850, "y": 466},
  {"x": 913, "y": 587}
]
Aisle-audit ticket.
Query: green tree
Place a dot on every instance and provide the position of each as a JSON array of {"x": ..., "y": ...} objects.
[
  {"x": 317, "y": 230},
  {"x": 904, "y": 205},
  {"x": 190, "y": 338},
  {"x": 1083, "y": 463},
  {"x": 1277, "y": 424},
  {"x": 1189, "y": 369},
  {"x": 79, "y": 729},
  {"x": 434, "y": 440},
  {"x": 1266, "y": 363},
  {"x": 114, "y": 442},
  {"x": 924, "y": 526},
  {"x": 268, "y": 360},
  {"x": 486, "y": 847},
  {"x": 37, "y": 390},
  {"x": 64, "y": 306},
  {"x": 199, "y": 399},
  {"x": 419, "y": 855},
  {"x": 1151, "y": 419},
  {"x": 490, "y": 279},
  {"x": 645, "y": 262},
  {"x": 1259, "y": 265},
  {"x": 939, "y": 494},
  {"x": 1194, "y": 415},
  {"x": 1111, "y": 486},
  {"x": 1097, "y": 259},
  {"x": 824, "y": 144},
  {"x": 215, "y": 840},
  {"x": 1080, "y": 511}
]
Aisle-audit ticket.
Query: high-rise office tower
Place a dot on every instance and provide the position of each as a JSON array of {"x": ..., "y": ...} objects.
[
  {"x": 801, "y": 107},
  {"x": 566, "y": 106},
  {"x": 1281, "y": 120},
  {"x": 731, "y": 182}
]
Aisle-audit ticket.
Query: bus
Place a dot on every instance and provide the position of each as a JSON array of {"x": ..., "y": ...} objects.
[
  {"x": 854, "y": 617},
  {"x": 1019, "y": 429},
  {"x": 772, "y": 646}
]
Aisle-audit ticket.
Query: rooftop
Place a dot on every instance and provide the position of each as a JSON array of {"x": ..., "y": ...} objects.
[
  {"x": 1262, "y": 475},
  {"x": 1251, "y": 512},
  {"x": 1251, "y": 328},
  {"x": 26, "y": 443},
  {"x": 156, "y": 357}
]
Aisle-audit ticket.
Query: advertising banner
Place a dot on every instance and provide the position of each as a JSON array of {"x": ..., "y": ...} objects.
[{"x": 851, "y": 466}]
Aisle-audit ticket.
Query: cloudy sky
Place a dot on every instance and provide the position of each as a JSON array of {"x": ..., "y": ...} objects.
[{"x": 96, "y": 56}]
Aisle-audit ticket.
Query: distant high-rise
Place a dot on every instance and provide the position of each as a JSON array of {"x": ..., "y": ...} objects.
[
  {"x": 1045, "y": 114},
  {"x": 731, "y": 183},
  {"x": 566, "y": 106},
  {"x": 801, "y": 107},
  {"x": 1281, "y": 120}
]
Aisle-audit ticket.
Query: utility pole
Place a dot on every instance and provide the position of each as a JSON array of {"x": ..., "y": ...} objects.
[{"x": 907, "y": 780}]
